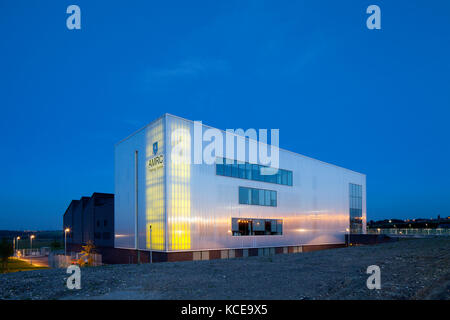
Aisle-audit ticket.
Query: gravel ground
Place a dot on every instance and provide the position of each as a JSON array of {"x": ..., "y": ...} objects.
[{"x": 410, "y": 269}]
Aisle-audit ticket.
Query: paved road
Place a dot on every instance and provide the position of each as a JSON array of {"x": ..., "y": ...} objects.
[{"x": 38, "y": 261}]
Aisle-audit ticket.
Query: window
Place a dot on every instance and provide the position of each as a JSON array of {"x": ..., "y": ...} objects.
[
  {"x": 98, "y": 223},
  {"x": 273, "y": 198},
  {"x": 227, "y": 170},
  {"x": 267, "y": 198},
  {"x": 245, "y": 170},
  {"x": 105, "y": 223},
  {"x": 278, "y": 177},
  {"x": 220, "y": 169},
  {"x": 241, "y": 170},
  {"x": 244, "y": 196},
  {"x": 235, "y": 170},
  {"x": 284, "y": 177},
  {"x": 255, "y": 172},
  {"x": 256, "y": 227},
  {"x": 355, "y": 205},
  {"x": 244, "y": 227},
  {"x": 257, "y": 197},
  {"x": 272, "y": 178},
  {"x": 248, "y": 171}
]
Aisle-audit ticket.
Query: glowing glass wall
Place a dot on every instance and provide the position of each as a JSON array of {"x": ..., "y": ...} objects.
[
  {"x": 154, "y": 190},
  {"x": 179, "y": 187}
]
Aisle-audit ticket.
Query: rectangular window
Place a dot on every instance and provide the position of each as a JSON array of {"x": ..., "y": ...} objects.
[
  {"x": 261, "y": 197},
  {"x": 248, "y": 171},
  {"x": 273, "y": 198},
  {"x": 220, "y": 169},
  {"x": 245, "y": 227},
  {"x": 279, "y": 177},
  {"x": 267, "y": 197},
  {"x": 284, "y": 177},
  {"x": 268, "y": 227},
  {"x": 227, "y": 171},
  {"x": 257, "y": 197},
  {"x": 273, "y": 176},
  {"x": 256, "y": 172},
  {"x": 235, "y": 170},
  {"x": 264, "y": 176},
  {"x": 244, "y": 195},
  {"x": 355, "y": 205},
  {"x": 256, "y": 227},
  {"x": 241, "y": 170},
  {"x": 289, "y": 176}
]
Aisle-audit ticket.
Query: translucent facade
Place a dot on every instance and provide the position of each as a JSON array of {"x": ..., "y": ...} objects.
[{"x": 192, "y": 206}]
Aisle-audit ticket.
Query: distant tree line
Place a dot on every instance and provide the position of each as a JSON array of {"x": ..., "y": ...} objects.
[
  {"x": 418, "y": 223},
  {"x": 6, "y": 251}
]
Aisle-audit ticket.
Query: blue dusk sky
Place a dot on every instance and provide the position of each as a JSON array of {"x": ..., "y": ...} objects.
[{"x": 374, "y": 101}]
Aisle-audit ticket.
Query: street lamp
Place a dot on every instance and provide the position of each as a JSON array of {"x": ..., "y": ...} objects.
[
  {"x": 151, "y": 252},
  {"x": 18, "y": 238},
  {"x": 65, "y": 240},
  {"x": 31, "y": 246}
]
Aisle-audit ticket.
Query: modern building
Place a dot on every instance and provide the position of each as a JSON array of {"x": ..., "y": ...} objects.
[
  {"x": 232, "y": 207},
  {"x": 90, "y": 219}
]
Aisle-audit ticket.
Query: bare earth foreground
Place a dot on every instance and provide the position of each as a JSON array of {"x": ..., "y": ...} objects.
[{"x": 410, "y": 269}]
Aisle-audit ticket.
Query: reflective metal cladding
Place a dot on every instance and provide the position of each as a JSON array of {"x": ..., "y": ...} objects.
[{"x": 230, "y": 203}]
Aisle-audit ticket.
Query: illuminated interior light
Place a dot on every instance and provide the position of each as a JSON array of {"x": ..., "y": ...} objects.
[
  {"x": 155, "y": 191},
  {"x": 180, "y": 195}
]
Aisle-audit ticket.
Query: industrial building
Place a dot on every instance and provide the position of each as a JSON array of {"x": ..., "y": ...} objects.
[
  {"x": 90, "y": 219},
  {"x": 234, "y": 207}
]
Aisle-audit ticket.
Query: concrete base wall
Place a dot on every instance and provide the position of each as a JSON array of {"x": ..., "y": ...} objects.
[
  {"x": 129, "y": 256},
  {"x": 124, "y": 256}
]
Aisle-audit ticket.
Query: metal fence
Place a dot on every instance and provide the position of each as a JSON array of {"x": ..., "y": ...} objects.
[
  {"x": 411, "y": 231},
  {"x": 59, "y": 261},
  {"x": 30, "y": 252},
  {"x": 63, "y": 261},
  {"x": 44, "y": 251}
]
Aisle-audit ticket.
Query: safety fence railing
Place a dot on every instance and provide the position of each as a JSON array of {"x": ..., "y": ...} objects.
[
  {"x": 63, "y": 261},
  {"x": 411, "y": 231},
  {"x": 44, "y": 251}
]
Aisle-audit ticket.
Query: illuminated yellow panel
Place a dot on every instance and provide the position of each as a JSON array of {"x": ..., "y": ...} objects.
[
  {"x": 180, "y": 195},
  {"x": 155, "y": 189}
]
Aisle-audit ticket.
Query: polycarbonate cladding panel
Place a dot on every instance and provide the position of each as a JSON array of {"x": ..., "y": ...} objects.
[{"x": 315, "y": 210}]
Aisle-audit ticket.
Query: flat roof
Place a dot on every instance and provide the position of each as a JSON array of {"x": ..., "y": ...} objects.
[{"x": 223, "y": 131}]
